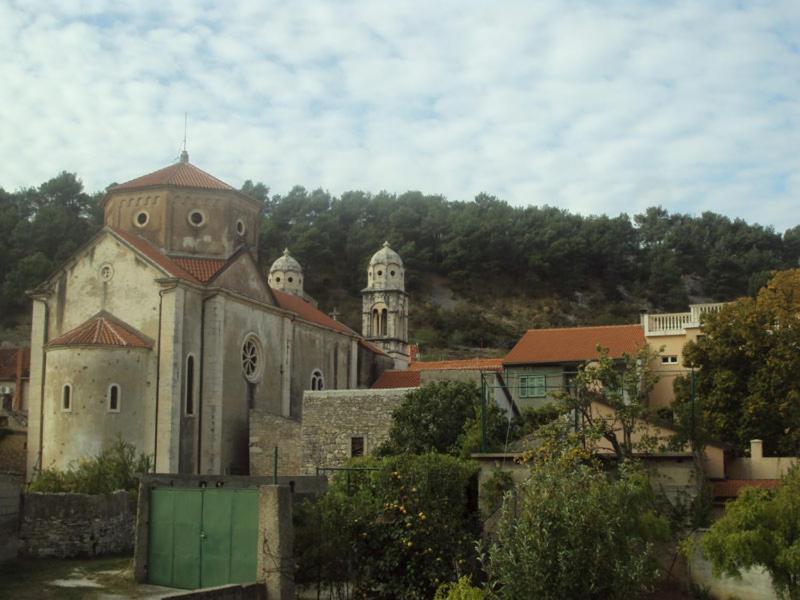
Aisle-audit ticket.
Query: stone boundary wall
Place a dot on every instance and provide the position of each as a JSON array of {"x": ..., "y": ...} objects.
[
  {"x": 332, "y": 418},
  {"x": 70, "y": 525},
  {"x": 267, "y": 431},
  {"x": 10, "y": 490},
  {"x": 236, "y": 591}
]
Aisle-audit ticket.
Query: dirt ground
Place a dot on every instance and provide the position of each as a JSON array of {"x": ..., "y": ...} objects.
[{"x": 74, "y": 579}]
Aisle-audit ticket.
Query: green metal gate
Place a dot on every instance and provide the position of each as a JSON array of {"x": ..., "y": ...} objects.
[{"x": 202, "y": 537}]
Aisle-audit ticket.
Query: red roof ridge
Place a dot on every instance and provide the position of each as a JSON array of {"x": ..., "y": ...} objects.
[
  {"x": 308, "y": 312},
  {"x": 179, "y": 174},
  {"x": 584, "y": 327},
  {"x": 154, "y": 254},
  {"x": 397, "y": 379},
  {"x": 103, "y": 329},
  {"x": 456, "y": 364}
]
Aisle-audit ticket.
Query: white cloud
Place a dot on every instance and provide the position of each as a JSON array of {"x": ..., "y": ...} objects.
[{"x": 591, "y": 107}]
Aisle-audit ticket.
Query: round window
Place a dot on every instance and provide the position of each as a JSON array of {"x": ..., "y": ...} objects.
[
  {"x": 196, "y": 218},
  {"x": 291, "y": 279},
  {"x": 240, "y": 229},
  {"x": 380, "y": 273},
  {"x": 142, "y": 218},
  {"x": 251, "y": 359},
  {"x": 278, "y": 279},
  {"x": 106, "y": 272},
  {"x": 392, "y": 273}
]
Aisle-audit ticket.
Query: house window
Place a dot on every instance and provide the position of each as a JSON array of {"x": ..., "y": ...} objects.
[
  {"x": 317, "y": 380},
  {"x": 532, "y": 386},
  {"x": 113, "y": 398},
  {"x": 66, "y": 398},
  {"x": 189, "y": 387},
  {"x": 357, "y": 446},
  {"x": 669, "y": 360}
]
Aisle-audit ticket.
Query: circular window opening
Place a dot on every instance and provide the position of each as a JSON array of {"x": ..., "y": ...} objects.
[
  {"x": 380, "y": 273},
  {"x": 291, "y": 279},
  {"x": 240, "y": 227},
  {"x": 106, "y": 272},
  {"x": 251, "y": 359},
  {"x": 196, "y": 218},
  {"x": 392, "y": 273},
  {"x": 278, "y": 279},
  {"x": 142, "y": 218}
]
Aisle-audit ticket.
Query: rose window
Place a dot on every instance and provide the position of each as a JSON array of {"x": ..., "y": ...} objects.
[{"x": 251, "y": 359}]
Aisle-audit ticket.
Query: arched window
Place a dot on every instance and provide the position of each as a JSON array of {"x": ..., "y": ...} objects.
[
  {"x": 384, "y": 321},
  {"x": 188, "y": 386},
  {"x": 317, "y": 380},
  {"x": 113, "y": 398},
  {"x": 66, "y": 398},
  {"x": 375, "y": 329}
]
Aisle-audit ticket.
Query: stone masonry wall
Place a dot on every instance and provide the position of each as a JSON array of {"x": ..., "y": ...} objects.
[
  {"x": 332, "y": 418},
  {"x": 10, "y": 488},
  {"x": 68, "y": 525},
  {"x": 267, "y": 431}
]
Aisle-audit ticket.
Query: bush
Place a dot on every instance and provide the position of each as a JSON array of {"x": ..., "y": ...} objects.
[
  {"x": 578, "y": 534},
  {"x": 113, "y": 469},
  {"x": 395, "y": 532},
  {"x": 460, "y": 590}
]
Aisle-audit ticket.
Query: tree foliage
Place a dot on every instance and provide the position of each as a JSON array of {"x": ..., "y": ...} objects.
[
  {"x": 398, "y": 531},
  {"x": 577, "y": 533},
  {"x": 748, "y": 370},
  {"x": 760, "y": 528}
]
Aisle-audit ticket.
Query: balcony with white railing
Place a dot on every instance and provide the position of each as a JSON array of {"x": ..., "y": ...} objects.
[{"x": 678, "y": 323}]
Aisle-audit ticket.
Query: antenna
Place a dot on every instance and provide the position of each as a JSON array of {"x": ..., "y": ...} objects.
[{"x": 184, "y": 153}]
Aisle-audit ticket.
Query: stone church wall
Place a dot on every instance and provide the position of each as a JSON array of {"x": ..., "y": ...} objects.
[
  {"x": 266, "y": 432},
  {"x": 331, "y": 419}
]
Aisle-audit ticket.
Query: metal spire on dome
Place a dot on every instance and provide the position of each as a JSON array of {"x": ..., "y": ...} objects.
[{"x": 184, "y": 153}]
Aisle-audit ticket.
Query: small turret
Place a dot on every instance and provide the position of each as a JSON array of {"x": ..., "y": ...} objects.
[{"x": 286, "y": 275}]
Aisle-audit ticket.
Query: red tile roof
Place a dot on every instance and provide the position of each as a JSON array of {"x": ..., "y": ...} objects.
[
  {"x": 8, "y": 362},
  {"x": 307, "y": 312},
  {"x": 397, "y": 379},
  {"x": 730, "y": 488},
  {"x": 202, "y": 269},
  {"x": 575, "y": 344},
  {"x": 103, "y": 329},
  {"x": 181, "y": 174},
  {"x": 155, "y": 255},
  {"x": 469, "y": 364}
]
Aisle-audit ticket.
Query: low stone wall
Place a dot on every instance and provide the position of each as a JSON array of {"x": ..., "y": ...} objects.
[
  {"x": 245, "y": 591},
  {"x": 10, "y": 489},
  {"x": 331, "y": 419},
  {"x": 268, "y": 431},
  {"x": 69, "y": 525}
]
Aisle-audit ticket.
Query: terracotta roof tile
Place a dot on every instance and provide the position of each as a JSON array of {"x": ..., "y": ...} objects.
[
  {"x": 469, "y": 364},
  {"x": 202, "y": 269},
  {"x": 730, "y": 488},
  {"x": 181, "y": 174},
  {"x": 8, "y": 362},
  {"x": 307, "y": 312},
  {"x": 103, "y": 329},
  {"x": 397, "y": 379},
  {"x": 575, "y": 344}
]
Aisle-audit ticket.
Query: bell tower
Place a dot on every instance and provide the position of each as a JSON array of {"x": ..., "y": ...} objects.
[{"x": 385, "y": 305}]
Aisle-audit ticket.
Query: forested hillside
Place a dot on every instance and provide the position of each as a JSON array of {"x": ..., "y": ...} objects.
[{"x": 479, "y": 272}]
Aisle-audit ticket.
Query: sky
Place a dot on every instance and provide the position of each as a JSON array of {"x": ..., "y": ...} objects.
[{"x": 597, "y": 107}]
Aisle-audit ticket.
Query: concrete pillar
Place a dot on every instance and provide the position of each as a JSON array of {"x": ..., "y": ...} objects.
[
  {"x": 756, "y": 449},
  {"x": 275, "y": 547}
]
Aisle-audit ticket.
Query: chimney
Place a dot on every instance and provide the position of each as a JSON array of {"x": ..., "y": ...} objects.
[{"x": 756, "y": 449}]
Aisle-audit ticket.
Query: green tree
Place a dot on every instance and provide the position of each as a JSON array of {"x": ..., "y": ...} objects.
[
  {"x": 397, "y": 531},
  {"x": 575, "y": 532},
  {"x": 443, "y": 417},
  {"x": 760, "y": 528},
  {"x": 748, "y": 369}
]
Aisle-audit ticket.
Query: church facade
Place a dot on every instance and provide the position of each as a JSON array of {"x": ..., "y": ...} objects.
[{"x": 162, "y": 331}]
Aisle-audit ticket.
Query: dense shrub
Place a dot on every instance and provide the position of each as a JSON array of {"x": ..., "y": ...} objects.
[
  {"x": 113, "y": 469},
  {"x": 398, "y": 531},
  {"x": 578, "y": 533}
]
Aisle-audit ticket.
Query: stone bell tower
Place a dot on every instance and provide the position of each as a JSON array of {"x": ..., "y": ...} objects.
[{"x": 385, "y": 305}]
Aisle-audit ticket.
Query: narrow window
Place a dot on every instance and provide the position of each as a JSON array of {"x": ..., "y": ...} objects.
[
  {"x": 317, "y": 381},
  {"x": 66, "y": 398},
  {"x": 384, "y": 319},
  {"x": 375, "y": 322},
  {"x": 669, "y": 360},
  {"x": 113, "y": 398},
  {"x": 357, "y": 446},
  {"x": 189, "y": 387}
]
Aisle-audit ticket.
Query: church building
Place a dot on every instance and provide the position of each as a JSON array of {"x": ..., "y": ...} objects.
[{"x": 163, "y": 331}]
